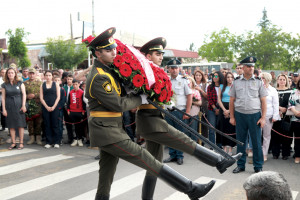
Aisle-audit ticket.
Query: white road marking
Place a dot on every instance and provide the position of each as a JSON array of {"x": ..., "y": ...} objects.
[
  {"x": 202, "y": 180},
  {"x": 295, "y": 193},
  {"x": 118, "y": 187},
  {"x": 31, "y": 163},
  {"x": 16, "y": 152},
  {"x": 45, "y": 181}
]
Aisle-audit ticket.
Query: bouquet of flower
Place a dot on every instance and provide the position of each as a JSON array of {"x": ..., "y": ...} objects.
[
  {"x": 196, "y": 95},
  {"x": 88, "y": 39},
  {"x": 142, "y": 75}
]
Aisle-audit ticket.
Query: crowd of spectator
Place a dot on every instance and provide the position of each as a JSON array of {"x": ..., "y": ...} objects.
[{"x": 48, "y": 101}]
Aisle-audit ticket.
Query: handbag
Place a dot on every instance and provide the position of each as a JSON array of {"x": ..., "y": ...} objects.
[{"x": 285, "y": 125}]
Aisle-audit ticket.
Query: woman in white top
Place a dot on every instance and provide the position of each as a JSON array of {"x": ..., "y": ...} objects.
[{"x": 272, "y": 112}]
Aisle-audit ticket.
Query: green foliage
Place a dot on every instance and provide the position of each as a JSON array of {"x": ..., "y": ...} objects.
[
  {"x": 24, "y": 62},
  {"x": 273, "y": 48},
  {"x": 17, "y": 48},
  {"x": 65, "y": 54},
  {"x": 218, "y": 46}
]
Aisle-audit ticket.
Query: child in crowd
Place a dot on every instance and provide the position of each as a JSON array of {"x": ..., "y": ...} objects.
[{"x": 76, "y": 111}]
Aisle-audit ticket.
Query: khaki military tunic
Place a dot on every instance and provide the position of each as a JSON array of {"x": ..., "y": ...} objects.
[
  {"x": 106, "y": 103},
  {"x": 34, "y": 113}
]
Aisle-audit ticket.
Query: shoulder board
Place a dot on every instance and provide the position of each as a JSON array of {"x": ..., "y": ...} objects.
[
  {"x": 185, "y": 77},
  {"x": 236, "y": 78},
  {"x": 258, "y": 78}
]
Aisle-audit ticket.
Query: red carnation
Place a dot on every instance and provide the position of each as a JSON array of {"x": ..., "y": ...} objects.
[
  {"x": 162, "y": 96},
  {"x": 135, "y": 65},
  {"x": 138, "y": 80},
  {"x": 157, "y": 88},
  {"x": 127, "y": 57},
  {"x": 118, "y": 61},
  {"x": 125, "y": 70}
]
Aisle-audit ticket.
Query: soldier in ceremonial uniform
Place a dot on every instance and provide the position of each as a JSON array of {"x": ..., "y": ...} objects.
[
  {"x": 159, "y": 132},
  {"x": 107, "y": 101},
  {"x": 248, "y": 112},
  {"x": 34, "y": 113}
]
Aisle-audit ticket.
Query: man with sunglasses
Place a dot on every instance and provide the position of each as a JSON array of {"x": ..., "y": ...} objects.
[
  {"x": 247, "y": 112},
  {"x": 239, "y": 70}
]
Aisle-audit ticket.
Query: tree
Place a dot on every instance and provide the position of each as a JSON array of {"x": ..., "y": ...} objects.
[
  {"x": 273, "y": 48},
  {"x": 17, "y": 48},
  {"x": 218, "y": 46},
  {"x": 65, "y": 54}
]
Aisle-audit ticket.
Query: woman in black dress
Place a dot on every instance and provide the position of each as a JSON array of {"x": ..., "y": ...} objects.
[
  {"x": 50, "y": 96},
  {"x": 282, "y": 141},
  {"x": 13, "y": 105}
]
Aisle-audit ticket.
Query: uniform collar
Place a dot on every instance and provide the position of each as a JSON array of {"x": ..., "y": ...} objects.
[
  {"x": 177, "y": 77},
  {"x": 99, "y": 64},
  {"x": 252, "y": 77}
]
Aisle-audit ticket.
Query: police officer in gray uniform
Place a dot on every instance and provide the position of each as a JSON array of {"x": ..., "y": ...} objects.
[
  {"x": 247, "y": 108},
  {"x": 183, "y": 101}
]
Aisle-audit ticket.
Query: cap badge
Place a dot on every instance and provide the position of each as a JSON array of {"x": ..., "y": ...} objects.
[
  {"x": 251, "y": 59},
  {"x": 110, "y": 31}
]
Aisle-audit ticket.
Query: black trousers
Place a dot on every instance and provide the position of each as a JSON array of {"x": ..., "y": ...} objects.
[
  {"x": 76, "y": 118},
  {"x": 51, "y": 126},
  {"x": 279, "y": 141}
]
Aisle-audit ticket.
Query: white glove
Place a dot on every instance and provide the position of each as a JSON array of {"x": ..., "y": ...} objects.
[
  {"x": 170, "y": 107},
  {"x": 144, "y": 99}
]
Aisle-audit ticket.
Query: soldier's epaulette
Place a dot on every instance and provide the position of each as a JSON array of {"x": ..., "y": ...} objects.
[
  {"x": 258, "y": 78},
  {"x": 236, "y": 78}
]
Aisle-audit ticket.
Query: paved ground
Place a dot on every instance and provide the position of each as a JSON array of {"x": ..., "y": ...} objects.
[{"x": 72, "y": 173}]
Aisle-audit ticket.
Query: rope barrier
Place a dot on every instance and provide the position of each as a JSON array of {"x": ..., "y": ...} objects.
[
  {"x": 130, "y": 124},
  {"x": 291, "y": 137},
  {"x": 72, "y": 123},
  {"x": 213, "y": 127}
]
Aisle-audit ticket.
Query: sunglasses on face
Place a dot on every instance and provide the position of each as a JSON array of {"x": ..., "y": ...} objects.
[
  {"x": 239, "y": 68},
  {"x": 215, "y": 76}
]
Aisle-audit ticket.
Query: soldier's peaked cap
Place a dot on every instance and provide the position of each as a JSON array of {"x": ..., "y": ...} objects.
[
  {"x": 250, "y": 61},
  {"x": 173, "y": 63},
  {"x": 104, "y": 40},
  {"x": 157, "y": 44}
]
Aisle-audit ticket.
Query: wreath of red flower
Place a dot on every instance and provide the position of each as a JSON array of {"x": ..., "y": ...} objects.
[
  {"x": 125, "y": 70},
  {"x": 130, "y": 71},
  {"x": 88, "y": 39},
  {"x": 138, "y": 80}
]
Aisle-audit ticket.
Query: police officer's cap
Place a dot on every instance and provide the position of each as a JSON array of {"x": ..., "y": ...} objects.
[
  {"x": 173, "y": 63},
  {"x": 157, "y": 44},
  {"x": 104, "y": 40},
  {"x": 249, "y": 61}
]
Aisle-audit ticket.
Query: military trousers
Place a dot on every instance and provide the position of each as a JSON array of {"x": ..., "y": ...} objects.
[
  {"x": 175, "y": 152},
  {"x": 35, "y": 126},
  {"x": 126, "y": 150},
  {"x": 173, "y": 138}
]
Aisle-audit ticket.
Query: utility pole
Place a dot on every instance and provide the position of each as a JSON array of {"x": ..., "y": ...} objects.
[
  {"x": 71, "y": 26},
  {"x": 93, "y": 31}
]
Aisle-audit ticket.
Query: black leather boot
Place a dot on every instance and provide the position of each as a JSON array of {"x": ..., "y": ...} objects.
[
  {"x": 148, "y": 187},
  {"x": 101, "y": 197},
  {"x": 215, "y": 160},
  {"x": 182, "y": 184}
]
